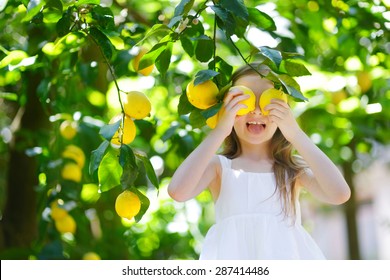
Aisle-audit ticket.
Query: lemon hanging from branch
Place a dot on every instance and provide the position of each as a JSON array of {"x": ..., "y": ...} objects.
[
  {"x": 203, "y": 95},
  {"x": 137, "y": 105},
  {"x": 127, "y": 204}
]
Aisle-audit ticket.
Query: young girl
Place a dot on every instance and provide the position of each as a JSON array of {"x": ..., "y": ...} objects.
[{"x": 255, "y": 183}]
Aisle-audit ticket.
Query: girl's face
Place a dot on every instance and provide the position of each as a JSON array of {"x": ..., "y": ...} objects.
[{"x": 254, "y": 128}]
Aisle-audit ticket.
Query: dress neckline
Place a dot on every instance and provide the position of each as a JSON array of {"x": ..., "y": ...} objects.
[{"x": 229, "y": 165}]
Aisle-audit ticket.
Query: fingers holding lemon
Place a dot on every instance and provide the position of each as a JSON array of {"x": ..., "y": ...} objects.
[
  {"x": 249, "y": 102},
  {"x": 267, "y": 96}
]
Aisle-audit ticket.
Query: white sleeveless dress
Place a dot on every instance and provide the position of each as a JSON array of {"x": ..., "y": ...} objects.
[{"x": 250, "y": 223}]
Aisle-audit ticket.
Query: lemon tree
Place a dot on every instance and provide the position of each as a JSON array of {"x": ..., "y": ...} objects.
[{"x": 71, "y": 52}]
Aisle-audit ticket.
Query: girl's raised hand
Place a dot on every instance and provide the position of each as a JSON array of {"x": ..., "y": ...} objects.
[
  {"x": 231, "y": 105},
  {"x": 280, "y": 113}
]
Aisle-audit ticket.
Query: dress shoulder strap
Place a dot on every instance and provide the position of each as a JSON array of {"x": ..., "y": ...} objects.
[{"x": 225, "y": 162}]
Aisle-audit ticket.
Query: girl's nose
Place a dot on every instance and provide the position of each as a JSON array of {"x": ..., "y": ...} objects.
[{"x": 256, "y": 111}]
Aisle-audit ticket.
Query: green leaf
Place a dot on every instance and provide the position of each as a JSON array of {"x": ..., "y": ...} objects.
[
  {"x": 184, "y": 107},
  {"x": 204, "y": 49},
  {"x": 174, "y": 21},
  {"x": 63, "y": 24},
  {"x": 97, "y": 156},
  {"x": 145, "y": 203},
  {"x": 212, "y": 110},
  {"x": 236, "y": 7},
  {"x": 164, "y": 59},
  {"x": 261, "y": 20},
  {"x": 183, "y": 7},
  {"x": 149, "y": 169},
  {"x": 129, "y": 166},
  {"x": 187, "y": 45},
  {"x": 227, "y": 20},
  {"x": 33, "y": 8},
  {"x": 13, "y": 58},
  {"x": 274, "y": 55},
  {"x": 103, "y": 42},
  {"x": 196, "y": 119},
  {"x": 104, "y": 17},
  {"x": 224, "y": 89},
  {"x": 87, "y": 2},
  {"x": 9, "y": 96},
  {"x": 170, "y": 132},
  {"x": 55, "y": 4},
  {"x": 294, "y": 68},
  {"x": 195, "y": 31},
  {"x": 157, "y": 31},
  {"x": 108, "y": 130},
  {"x": 291, "y": 87},
  {"x": 110, "y": 171},
  {"x": 150, "y": 57},
  {"x": 224, "y": 69},
  {"x": 204, "y": 75}
]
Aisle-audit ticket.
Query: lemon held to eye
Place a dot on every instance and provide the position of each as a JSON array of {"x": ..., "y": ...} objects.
[
  {"x": 203, "y": 95},
  {"x": 249, "y": 102},
  {"x": 267, "y": 96},
  {"x": 137, "y": 105},
  {"x": 127, "y": 204}
]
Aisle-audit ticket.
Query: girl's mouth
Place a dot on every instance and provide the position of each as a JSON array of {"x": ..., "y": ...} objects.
[{"x": 255, "y": 126}]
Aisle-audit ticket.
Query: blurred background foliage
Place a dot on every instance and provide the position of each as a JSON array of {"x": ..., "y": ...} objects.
[{"x": 51, "y": 71}]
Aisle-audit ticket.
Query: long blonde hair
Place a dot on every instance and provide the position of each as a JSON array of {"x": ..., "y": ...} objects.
[{"x": 286, "y": 166}]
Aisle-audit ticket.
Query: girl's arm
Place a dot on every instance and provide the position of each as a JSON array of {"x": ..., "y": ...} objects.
[
  {"x": 201, "y": 168},
  {"x": 198, "y": 171},
  {"x": 323, "y": 179}
]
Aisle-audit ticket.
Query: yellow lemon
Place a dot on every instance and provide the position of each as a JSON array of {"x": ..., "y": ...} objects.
[
  {"x": 126, "y": 131},
  {"x": 250, "y": 102},
  {"x": 144, "y": 71},
  {"x": 268, "y": 95},
  {"x": 213, "y": 121},
  {"x": 71, "y": 171},
  {"x": 127, "y": 204},
  {"x": 57, "y": 212},
  {"x": 137, "y": 105},
  {"x": 68, "y": 129},
  {"x": 91, "y": 256},
  {"x": 75, "y": 153},
  {"x": 364, "y": 81},
  {"x": 338, "y": 96},
  {"x": 203, "y": 95},
  {"x": 66, "y": 224}
]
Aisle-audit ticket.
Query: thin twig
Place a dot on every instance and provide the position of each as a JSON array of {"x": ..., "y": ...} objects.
[{"x": 243, "y": 58}]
